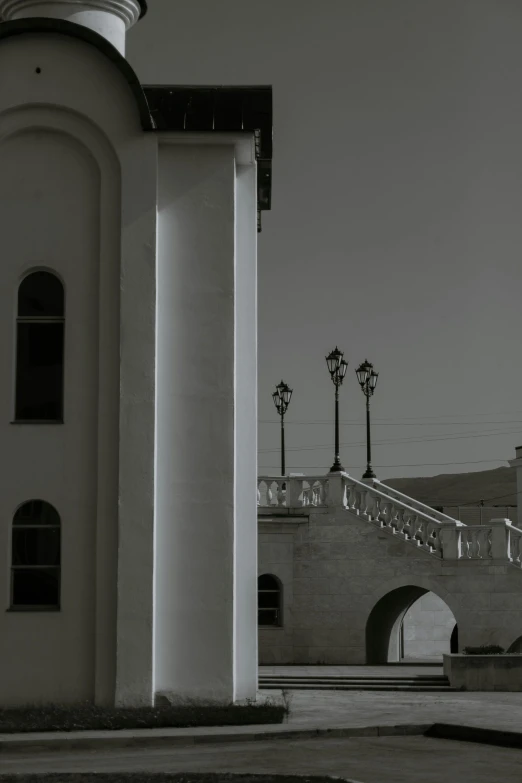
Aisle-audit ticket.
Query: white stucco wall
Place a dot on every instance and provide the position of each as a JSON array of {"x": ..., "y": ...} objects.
[
  {"x": 103, "y": 227},
  {"x": 205, "y": 521},
  {"x": 110, "y": 394},
  {"x": 50, "y": 184}
]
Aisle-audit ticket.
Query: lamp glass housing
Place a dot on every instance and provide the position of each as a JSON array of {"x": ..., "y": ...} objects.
[{"x": 333, "y": 360}]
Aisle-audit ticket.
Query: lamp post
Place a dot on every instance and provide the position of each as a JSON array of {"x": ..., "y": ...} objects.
[
  {"x": 281, "y": 398},
  {"x": 367, "y": 378},
  {"x": 337, "y": 368}
]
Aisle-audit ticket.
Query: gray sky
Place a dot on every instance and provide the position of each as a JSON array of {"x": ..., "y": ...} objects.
[{"x": 395, "y": 229}]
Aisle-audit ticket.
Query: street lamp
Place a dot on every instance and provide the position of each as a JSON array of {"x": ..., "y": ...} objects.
[
  {"x": 368, "y": 381},
  {"x": 281, "y": 398},
  {"x": 337, "y": 368}
]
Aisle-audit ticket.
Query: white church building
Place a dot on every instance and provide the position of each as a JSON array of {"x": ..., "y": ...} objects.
[{"x": 129, "y": 217}]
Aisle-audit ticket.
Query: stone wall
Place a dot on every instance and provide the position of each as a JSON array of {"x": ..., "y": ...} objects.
[
  {"x": 427, "y": 628},
  {"x": 484, "y": 672},
  {"x": 348, "y": 583}
]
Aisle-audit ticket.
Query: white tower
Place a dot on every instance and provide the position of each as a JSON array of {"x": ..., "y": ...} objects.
[
  {"x": 128, "y": 216},
  {"x": 109, "y": 18}
]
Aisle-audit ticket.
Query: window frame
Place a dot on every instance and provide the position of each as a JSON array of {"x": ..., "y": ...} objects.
[
  {"x": 39, "y": 319},
  {"x": 278, "y": 609},
  {"x": 13, "y": 568}
]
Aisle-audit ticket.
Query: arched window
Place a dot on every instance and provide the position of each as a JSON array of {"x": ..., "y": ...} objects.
[
  {"x": 40, "y": 331},
  {"x": 35, "y": 560},
  {"x": 269, "y": 603}
]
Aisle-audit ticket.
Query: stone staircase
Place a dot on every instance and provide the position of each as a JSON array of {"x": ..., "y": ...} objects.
[
  {"x": 418, "y": 525},
  {"x": 425, "y": 683}
]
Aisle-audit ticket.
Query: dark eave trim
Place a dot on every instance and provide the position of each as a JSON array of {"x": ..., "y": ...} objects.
[
  {"x": 43, "y": 25},
  {"x": 144, "y": 9},
  {"x": 219, "y": 109}
]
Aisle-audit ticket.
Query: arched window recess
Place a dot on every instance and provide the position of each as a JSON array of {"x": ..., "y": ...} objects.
[
  {"x": 36, "y": 557},
  {"x": 269, "y": 601},
  {"x": 40, "y": 334}
]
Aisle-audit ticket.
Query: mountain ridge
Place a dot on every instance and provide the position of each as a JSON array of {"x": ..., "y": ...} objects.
[{"x": 496, "y": 487}]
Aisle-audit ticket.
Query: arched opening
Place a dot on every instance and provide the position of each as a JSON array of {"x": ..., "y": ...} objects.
[
  {"x": 269, "y": 601},
  {"x": 36, "y": 557},
  {"x": 409, "y": 624},
  {"x": 516, "y": 647},
  {"x": 40, "y": 327},
  {"x": 454, "y": 640},
  {"x": 427, "y": 628}
]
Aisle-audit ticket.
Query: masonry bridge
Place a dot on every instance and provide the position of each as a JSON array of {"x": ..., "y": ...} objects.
[{"x": 342, "y": 561}]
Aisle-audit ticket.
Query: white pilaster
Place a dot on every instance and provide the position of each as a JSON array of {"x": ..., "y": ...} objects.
[
  {"x": 517, "y": 463},
  {"x": 206, "y": 515}
]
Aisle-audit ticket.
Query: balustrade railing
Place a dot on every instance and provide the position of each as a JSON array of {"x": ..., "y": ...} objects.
[
  {"x": 291, "y": 492},
  {"x": 362, "y": 499},
  {"x": 476, "y": 542},
  {"x": 402, "y": 516},
  {"x": 515, "y": 546},
  {"x": 394, "y": 493}
]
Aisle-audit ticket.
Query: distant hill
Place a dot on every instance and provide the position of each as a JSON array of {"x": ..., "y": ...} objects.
[{"x": 496, "y": 487}]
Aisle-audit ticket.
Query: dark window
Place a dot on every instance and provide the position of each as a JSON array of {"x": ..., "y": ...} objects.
[
  {"x": 40, "y": 348},
  {"x": 36, "y": 557},
  {"x": 268, "y": 600}
]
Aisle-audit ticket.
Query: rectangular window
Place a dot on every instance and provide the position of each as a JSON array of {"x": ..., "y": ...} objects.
[
  {"x": 39, "y": 371},
  {"x": 35, "y": 587},
  {"x": 268, "y": 617},
  {"x": 36, "y": 546}
]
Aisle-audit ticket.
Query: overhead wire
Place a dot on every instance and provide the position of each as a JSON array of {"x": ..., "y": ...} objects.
[{"x": 393, "y": 441}]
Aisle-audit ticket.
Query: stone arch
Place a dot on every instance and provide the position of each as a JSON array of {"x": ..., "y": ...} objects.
[
  {"x": 516, "y": 646},
  {"x": 386, "y": 614}
]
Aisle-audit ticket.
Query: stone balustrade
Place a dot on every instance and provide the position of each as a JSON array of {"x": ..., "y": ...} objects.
[
  {"x": 291, "y": 492},
  {"x": 394, "y": 493},
  {"x": 402, "y": 516},
  {"x": 363, "y": 499},
  {"x": 498, "y": 540}
]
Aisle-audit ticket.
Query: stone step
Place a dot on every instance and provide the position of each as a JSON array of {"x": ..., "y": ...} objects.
[
  {"x": 370, "y": 680},
  {"x": 418, "y": 683},
  {"x": 366, "y": 677},
  {"x": 356, "y": 687}
]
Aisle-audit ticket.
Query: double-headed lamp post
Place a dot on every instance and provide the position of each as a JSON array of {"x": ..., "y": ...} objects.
[
  {"x": 337, "y": 368},
  {"x": 281, "y": 398},
  {"x": 367, "y": 378}
]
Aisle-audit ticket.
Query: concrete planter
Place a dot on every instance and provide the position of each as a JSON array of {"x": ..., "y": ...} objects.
[{"x": 484, "y": 672}]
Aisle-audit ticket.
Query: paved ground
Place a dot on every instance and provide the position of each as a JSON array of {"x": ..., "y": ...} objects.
[
  {"x": 370, "y": 760},
  {"x": 400, "y": 670},
  {"x": 386, "y": 760},
  {"x": 365, "y": 708}
]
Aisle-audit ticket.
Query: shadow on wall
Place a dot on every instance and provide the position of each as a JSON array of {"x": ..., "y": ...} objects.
[{"x": 409, "y": 623}]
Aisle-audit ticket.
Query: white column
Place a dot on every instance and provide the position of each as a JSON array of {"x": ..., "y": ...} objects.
[
  {"x": 517, "y": 463},
  {"x": 245, "y": 512},
  {"x": 206, "y": 514}
]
